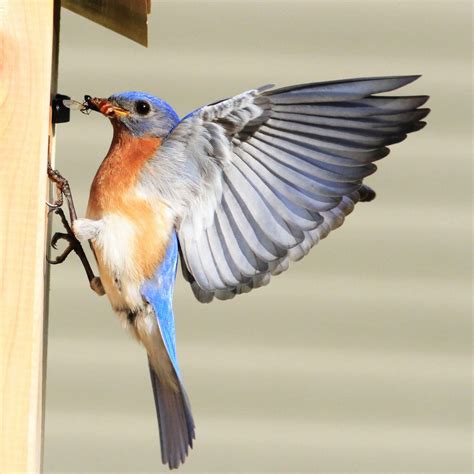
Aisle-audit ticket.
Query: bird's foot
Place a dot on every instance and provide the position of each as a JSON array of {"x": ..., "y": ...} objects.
[
  {"x": 69, "y": 237},
  {"x": 74, "y": 245},
  {"x": 63, "y": 190}
]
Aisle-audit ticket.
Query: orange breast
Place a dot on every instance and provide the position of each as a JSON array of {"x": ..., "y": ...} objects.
[
  {"x": 112, "y": 192},
  {"x": 119, "y": 171}
]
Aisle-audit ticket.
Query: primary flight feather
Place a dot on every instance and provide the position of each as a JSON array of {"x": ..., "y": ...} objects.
[{"x": 238, "y": 189}]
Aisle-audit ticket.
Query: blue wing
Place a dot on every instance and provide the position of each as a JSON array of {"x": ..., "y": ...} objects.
[{"x": 159, "y": 293}]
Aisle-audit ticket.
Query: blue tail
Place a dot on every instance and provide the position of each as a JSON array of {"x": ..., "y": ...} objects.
[{"x": 175, "y": 420}]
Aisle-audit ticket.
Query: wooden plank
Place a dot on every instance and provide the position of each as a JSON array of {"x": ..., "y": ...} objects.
[
  {"x": 126, "y": 17},
  {"x": 26, "y": 50}
]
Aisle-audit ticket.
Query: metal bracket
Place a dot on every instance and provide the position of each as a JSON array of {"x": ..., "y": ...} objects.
[{"x": 61, "y": 113}]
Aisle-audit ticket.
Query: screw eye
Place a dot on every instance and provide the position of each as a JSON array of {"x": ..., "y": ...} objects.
[{"x": 142, "y": 107}]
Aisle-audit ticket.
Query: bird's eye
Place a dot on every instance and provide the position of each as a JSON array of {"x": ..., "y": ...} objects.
[{"x": 142, "y": 107}]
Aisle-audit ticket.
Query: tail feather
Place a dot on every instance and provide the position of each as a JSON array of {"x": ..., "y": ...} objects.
[{"x": 175, "y": 420}]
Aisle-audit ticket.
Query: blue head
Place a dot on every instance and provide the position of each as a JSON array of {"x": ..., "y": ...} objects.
[{"x": 140, "y": 113}]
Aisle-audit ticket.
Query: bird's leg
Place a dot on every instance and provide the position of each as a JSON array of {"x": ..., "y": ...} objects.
[{"x": 62, "y": 187}]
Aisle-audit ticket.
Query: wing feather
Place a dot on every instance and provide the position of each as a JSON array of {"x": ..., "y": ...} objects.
[
  {"x": 228, "y": 271},
  {"x": 239, "y": 251},
  {"x": 255, "y": 181},
  {"x": 270, "y": 224},
  {"x": 249, "y": 236},
  {"x": 293, "y": 214},
  {"x": 310, "y": 200}
]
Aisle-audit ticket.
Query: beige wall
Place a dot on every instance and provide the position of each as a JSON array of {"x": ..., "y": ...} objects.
[{"x": 358, "y": 358}]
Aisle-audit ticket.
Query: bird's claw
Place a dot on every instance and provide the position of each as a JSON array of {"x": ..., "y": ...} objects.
[
  {"x": 61, "y": 236},
  {"x": 72, "y": 241},
  {"x": 62, "y": 191},
  {"x": 60, "y": 258},
  {"x": 56, "y": 177},
  {"x": 69, "y": 237}
]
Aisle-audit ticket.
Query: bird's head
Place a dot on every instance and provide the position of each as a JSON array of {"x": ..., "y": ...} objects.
[{"x": 139, "y": 113}]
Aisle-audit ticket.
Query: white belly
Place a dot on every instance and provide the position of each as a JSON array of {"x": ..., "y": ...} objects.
[{"x": 113, "y": 238}]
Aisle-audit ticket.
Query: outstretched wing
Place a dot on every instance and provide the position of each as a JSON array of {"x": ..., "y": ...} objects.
[{"x": 256, "y": 180}]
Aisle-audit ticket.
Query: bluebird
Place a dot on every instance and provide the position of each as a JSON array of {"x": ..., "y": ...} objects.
[{"x": 235, "y": 191}]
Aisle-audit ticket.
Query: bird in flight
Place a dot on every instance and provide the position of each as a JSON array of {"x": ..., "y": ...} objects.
[{"x": 235, "y": 191}]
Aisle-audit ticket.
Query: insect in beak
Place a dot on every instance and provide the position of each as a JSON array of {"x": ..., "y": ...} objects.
[
  {"x": 76, "y": 105},
  {"x": 104, "y": 106}
]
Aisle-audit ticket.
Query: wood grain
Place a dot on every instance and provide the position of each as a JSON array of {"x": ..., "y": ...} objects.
[{"x": 26, "y": 50}]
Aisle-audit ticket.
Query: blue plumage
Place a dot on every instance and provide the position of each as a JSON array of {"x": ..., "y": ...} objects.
[
  {"x": 175, "y": 420},
  {"x": 134, "y": 96},
  {"x": 159, "y": 293},
  {"x": 150, "y": 115}
]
